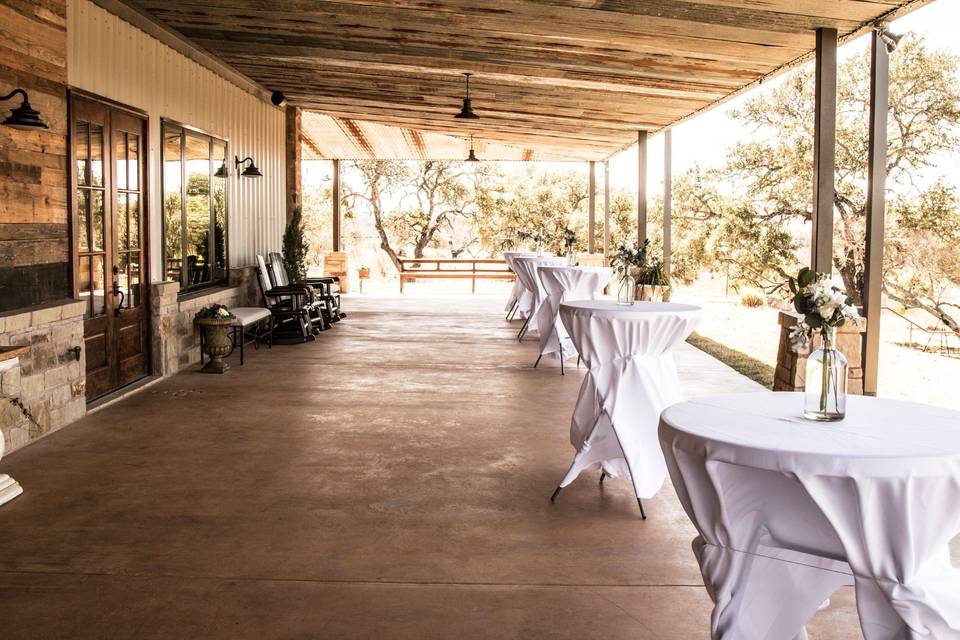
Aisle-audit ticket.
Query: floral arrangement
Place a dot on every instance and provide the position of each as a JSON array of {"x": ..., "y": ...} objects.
[
  {"x": 569, "y": 237},
  {"x": 823, "y": 303},
  {"x": 214, "y": 312},
  {"x": 627, "y": 257}
]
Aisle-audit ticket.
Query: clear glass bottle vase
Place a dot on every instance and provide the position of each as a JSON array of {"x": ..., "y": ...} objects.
[
  {"x": 571, "y": 257},
  {"x": 825, "y": 385},
  {"x": 627, "y": 289}
]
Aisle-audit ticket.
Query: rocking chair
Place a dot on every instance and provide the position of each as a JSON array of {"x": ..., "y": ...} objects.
[{"x": 295, "y": 309}]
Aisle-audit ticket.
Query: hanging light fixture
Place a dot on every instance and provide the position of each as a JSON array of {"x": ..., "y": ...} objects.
[
  {"x": 251, "y": 170},
  {"x": 890, "y": 39},
  {"x": 466, "y": 111},
  {"x": 472, "y": 157},
  {"x": 23, "y": 117}
]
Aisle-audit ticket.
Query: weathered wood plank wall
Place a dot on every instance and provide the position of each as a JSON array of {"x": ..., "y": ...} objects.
[{"x": 34, "y": 236}]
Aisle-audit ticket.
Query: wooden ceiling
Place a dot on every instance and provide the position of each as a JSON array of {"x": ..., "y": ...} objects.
[
  {"x": 327, "y": 137},
  {"x": 568, "y": 78}
]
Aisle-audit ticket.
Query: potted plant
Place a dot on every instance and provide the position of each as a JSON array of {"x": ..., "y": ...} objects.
[
  {"x": 215, "y": 322},
  {"x": 653, "y": 282}
]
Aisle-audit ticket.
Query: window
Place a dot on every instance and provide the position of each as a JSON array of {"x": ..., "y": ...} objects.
[{"x": 194, "y": 207}]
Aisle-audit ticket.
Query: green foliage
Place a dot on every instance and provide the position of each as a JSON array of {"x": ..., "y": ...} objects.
[
  {"x": 295, "y": 248},
  {"x": 743, "y": 217},
  {"x": 215, "y": 311}
]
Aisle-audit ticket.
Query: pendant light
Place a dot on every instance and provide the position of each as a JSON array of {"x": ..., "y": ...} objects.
[
  {"x": 466, "y": 111},
  {"x": 24, "y": 117},
  {"x": 472, "y": 157}
]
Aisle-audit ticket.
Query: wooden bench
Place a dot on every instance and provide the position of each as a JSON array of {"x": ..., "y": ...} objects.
[{"x": 451, "y": 268}]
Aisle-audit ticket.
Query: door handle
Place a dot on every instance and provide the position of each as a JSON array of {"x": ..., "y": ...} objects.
[{"x": 117, "y": 292}]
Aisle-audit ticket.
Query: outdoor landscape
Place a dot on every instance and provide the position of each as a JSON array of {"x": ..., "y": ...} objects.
[{"x": 741, "y": 218}]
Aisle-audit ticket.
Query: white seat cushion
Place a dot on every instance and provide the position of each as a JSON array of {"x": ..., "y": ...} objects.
[{"x": 248, "y": 315}]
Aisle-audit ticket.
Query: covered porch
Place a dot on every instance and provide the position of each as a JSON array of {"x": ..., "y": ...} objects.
[
  {"x": 390, "y": 477},
  {"x": 401, "y": 491}
]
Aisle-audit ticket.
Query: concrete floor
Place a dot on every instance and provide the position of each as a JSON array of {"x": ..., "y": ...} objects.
[{"x": 390, "y": 480}]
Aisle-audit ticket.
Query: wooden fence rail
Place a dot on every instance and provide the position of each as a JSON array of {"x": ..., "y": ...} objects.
[{"x": 412, "y": 269}]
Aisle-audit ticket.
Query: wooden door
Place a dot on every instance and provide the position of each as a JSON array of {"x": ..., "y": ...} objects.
[{"x": 108, "y": 162}]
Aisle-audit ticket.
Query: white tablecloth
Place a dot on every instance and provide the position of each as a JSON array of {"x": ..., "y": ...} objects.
[
  {"x": 566, "y": 284},
  {"x": 631, "y": 378},
  {"x": 788, "y": 510},
  {"x": 517, "y": 292},
  {"x": 526, "y": 268}
]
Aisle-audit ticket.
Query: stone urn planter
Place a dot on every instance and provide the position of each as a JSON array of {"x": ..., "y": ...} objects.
[{"x": 216, "y": 324}]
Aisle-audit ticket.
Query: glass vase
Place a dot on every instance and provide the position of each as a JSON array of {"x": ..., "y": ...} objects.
[
  {"x": 627, "y": 291},
  {"x": 825, "y": 386},
  {"x": 539, "y": 249},
  {"x": 571, "y": 257}
]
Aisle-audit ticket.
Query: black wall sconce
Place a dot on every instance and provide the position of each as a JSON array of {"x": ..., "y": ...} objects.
[
  {"x": 23, "y": 117},
  {"x": 251, "y": 170}
]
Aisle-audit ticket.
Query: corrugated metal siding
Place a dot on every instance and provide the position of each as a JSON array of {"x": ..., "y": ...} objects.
[{"x": 111, "y": 58}]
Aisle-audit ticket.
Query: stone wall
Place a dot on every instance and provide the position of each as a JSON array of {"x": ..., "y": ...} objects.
[
  {"x": 176, "y": 341},
  {"x": 34, "y": 238},
  {"x": 49, "y": 379},
  {"x": 792, "y": 366}
]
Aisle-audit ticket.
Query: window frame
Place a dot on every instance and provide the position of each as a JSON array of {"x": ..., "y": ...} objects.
[{"x": 169, "y": 126}]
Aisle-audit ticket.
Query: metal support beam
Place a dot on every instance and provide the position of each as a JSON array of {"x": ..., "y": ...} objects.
[
  {"x": 667, "y": 200},
  {"x": 824, "y": 148},
  {"x": 876, "y": 201},
  {"x": 592, "y": 210},
  {"x": 641, "y": 186},
  {"x": 606, "y": 211},
  {"x": 336, "y": 205}
]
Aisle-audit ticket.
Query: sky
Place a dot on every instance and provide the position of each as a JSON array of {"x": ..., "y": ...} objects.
[{"x": 705, "y": 138}]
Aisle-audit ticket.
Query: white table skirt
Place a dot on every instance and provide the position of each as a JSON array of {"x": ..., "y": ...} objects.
[
  {"x": 566, "y": 284},
  {"x": 787, "y": 510},
  {"x": 526, "y": 268},
  {"x": 631, "y": 378},
  {"x": 516, "y": 293}
]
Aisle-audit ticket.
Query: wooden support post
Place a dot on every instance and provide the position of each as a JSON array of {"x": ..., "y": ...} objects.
[
  {"x": 592, "y": 210},
  {"x": 876, "y": 201},
  {"x": 293, "y": 160},
  {"x": 336, "y": 209},
  {"x": 824, "y": 148},
  {"x": 606, "y": 211},
  {"x": 641, "y": 186},
  {"x": 667, "y": 200}
]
